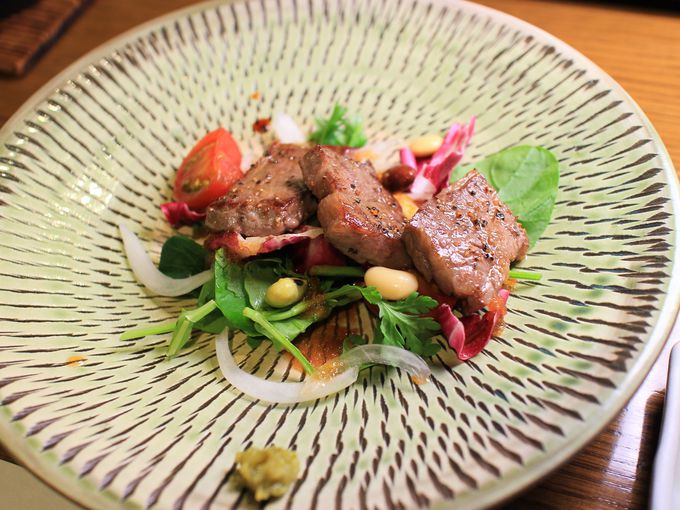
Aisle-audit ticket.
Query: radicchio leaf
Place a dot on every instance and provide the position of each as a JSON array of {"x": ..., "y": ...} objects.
[
  {"x": 238, "y": 247},
  {"x": 433, "y": 175},
  {"x": 179, "y": 213},
  {"x": 469, "y": 335},
  {"x": 316, "y": 252}
]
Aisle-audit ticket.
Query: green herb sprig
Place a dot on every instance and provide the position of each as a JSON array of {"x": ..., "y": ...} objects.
[
  {"x": 402, "y": 323},
  {"x": 339, "y": 129}
]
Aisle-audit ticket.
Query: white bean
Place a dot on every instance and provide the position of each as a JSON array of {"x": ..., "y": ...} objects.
[
  {"x": 426, "y": 145},
  {"x": 391, "y": 283}
]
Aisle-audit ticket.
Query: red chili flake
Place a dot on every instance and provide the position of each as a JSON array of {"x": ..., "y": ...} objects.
[
  {"x": 262, "y": 125},
  {"x": 255, "y": 95}
]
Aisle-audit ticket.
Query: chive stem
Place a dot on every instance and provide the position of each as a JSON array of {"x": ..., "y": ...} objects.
[
  {"x": 156, "y": 329},
  {"x": 185, "y": 324},
  {"x": 294, "y": 310},
  {"x": 518, "y": 274},
  {"x": 276, "y": 335}
]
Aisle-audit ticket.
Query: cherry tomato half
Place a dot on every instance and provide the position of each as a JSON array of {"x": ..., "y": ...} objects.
[{"x": 209, "y": 171}]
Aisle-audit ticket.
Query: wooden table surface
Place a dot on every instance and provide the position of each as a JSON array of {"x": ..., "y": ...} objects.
[{"x": 638, "y": 48}]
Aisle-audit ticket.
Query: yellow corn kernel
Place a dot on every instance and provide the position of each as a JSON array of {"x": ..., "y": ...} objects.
[
  {"x": 408, "y": 206},
  {"x": 364, "y": 155},
  {"x": 284, "y": 292}
]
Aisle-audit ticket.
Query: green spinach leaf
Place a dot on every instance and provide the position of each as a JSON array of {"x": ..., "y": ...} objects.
[
  {"x": 258, "y": 275},
  {"x": 181, "y": 257},
  {"x": 230, "y": 294}
]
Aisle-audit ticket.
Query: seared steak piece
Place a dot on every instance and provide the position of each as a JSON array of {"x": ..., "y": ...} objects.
[
  {"x": 360, "y": 218},
  {"x": 270, "y": 199},
  {"x": 464, "y": 239}
]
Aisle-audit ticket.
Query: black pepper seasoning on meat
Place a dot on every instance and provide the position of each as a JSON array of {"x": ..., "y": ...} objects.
[
  {"x": 466, "y": 248},
  {"x": 270, "y": 199},
  {"x": 356, "y": 212}
]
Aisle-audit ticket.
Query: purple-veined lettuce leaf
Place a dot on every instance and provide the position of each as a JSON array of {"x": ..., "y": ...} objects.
[
  {"x": 433, "y": 175},
  {"x": 179, "y": 213},
  {"x": 469, "y": 335}
]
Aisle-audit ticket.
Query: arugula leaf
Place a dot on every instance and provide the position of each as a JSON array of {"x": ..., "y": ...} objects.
[
  {"x": 401, "y": 325},
  {"x": 156, "y": 329},
  {"x": 526, "y": 179},
  {"x": 230, "y": 294},
  {"x": 207, "y": 292},
  {"x": 213, "y": 322},
  {"x": 339, "y": 129},
  {"x": 254, "y": 341},
  {"x": 181, "y": 257},
  {"x": 519, "y": 274}
]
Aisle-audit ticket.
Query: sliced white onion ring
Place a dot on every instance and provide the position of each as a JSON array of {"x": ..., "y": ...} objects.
[
  {"x": 286, "y": 129},
  {"x": 148, "y": 274},
  {"x": 346, "y": 368}
]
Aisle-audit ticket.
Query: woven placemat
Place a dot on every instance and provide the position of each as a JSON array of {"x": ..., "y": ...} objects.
[{"x": 28, "y": 28}]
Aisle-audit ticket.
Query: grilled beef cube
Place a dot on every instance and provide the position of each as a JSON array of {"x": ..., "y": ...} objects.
[
  {"x": 360, "y": 218},
  {"x": 465, "y": 239},
  {"x": 270, "y": 199}
]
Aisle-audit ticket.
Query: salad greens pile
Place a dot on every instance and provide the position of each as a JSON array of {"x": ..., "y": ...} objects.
[
  {"x": 525, "y": 177},
  {"x": 235, "y": 298}
]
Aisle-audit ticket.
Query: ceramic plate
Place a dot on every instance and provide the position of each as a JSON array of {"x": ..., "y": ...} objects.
[{"x": 114, "y": 425}]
